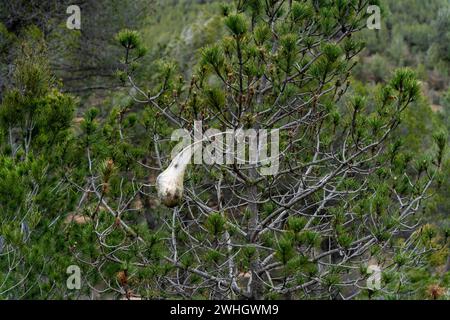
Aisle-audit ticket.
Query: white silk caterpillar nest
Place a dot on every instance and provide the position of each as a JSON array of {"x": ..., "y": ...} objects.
[{"x": 169, "y": 183}]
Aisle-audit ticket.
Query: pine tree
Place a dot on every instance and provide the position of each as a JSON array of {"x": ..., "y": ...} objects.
[
  {"x": 35, "y": 121},
  {"x": 347, "y": 192}
]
